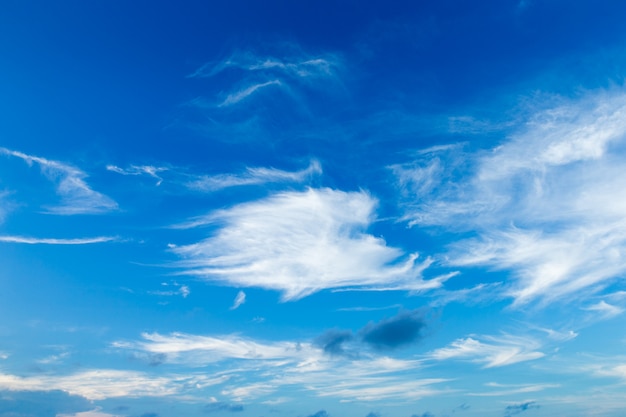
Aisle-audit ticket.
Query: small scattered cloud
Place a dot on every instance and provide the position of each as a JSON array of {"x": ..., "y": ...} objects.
[
  {"x": 605, "y": 309},
  {"x": 239, "y": 300},
  {"x": 149, "y": 170},
  {"x": 297, "y": 66},
  {"x": 54, "y": 241},
  {"x": 498, "y": 390},
  {"x": 177, "y": 289},
  {"x": 237, "y": 96},
  {"x": 300, "y": 243},
  {"x": 222, "y": 406},
  {"x": 76, "y": 195},
  {"x": 402, "y": 329},
  {"x": 373, "y": 414},
  {"x": 253, "y": 176},
  {"x": 512, "y": 410}
]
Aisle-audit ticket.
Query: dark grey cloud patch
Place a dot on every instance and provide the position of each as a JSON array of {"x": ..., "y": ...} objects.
[
  {"x": 222, "y": 406},
  {"x": 41, "y": 403},
  {"x": 402, "y": 329},
  {"x": 373, "y": 414},
  {"x": 332, "y": 341},
  {"x": 321, "y": 413},
  {"x": 515, "y": 409}
]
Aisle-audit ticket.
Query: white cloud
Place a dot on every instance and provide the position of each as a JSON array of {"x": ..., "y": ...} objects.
[
  {"x": 194, "y": 349},
  {"x": 98, "y": 384},
  {"x": 76, "y": 195},
  {"x": 53, "y": 241},
  {"x": 605, "y": 309},
  {"x": 149, "y": 170},
  {"x": 93, "y": 413},
  {"x": 299, "y": 243},
  {"x": 239, "y": 300},
  {"x": 496, "y": 389},
  {"x": 299, "y": 65},
  {"x": 180, "y": 289},
  {"x": 237, "y": 96},
  {"x": 255, "y": 369},
  {"x": 493, "y": 352},
  {"x": 546, "y": 204},
  {"x": 253, "y": 176}
]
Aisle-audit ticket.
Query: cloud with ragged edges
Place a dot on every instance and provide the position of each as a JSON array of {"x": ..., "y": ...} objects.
[
  {"x": 544, "y": 205},
  {"x": 400, "y": 330},
  {"x": 280, "y": 87},
  {"x": 257, "y": 369},
  {"x": 77, "y": 197},
  {"x": 299, "y": 243},
  {"x": 211, "y": 183},
  {"x": 259, "y": 73},
  {"x": 491, "y": 351},
  {"x": 140, "y": 170},
  {"x": 56, "y": 241},
  {"x": 240, "y": 298}
]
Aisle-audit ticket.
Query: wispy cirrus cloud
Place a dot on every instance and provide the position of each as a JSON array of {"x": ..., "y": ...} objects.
[
  {"x": 54, "y": 241},
  {"x": 98, "y": 384},
  {"x": 492, "y": 351},
  {"x": 260, "y": 368},
  {"x": 295, "y": 73},
  {"x": 239, "y": 300},
  {"x": 544, "y": 204},
  {"x": 495, "y": 389},
  {"x": 253, "y": 176},
  {"x": 150, "y": 170},
  {"x": 237, "y": 96},
  {"x": 209, "y": 183},
  {"x": 297, "y": 65},
  {"x": 299, "y": 243},
  {"x": 77, "y": 197}
]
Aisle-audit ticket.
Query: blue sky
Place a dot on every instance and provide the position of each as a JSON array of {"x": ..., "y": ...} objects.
[{"x": 312, "y": 209}]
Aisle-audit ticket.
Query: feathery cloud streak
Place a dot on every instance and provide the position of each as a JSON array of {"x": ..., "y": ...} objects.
[
  {"x": 301, "y": 66},
  {"x": 210, "y": 183},
  {"x": 289, "y": 363},
  {"x": 44, "y": 241},
  {"x": 546, "y": 204},
  {"x": 97, "y": 384},
  {"x": 76, "y": 195},
  {"x": 494, "y": 352},
  {"x": 262, "y": 72},
  {"x": 300, "y": 243},
  {"x": 253, "y": 176}
]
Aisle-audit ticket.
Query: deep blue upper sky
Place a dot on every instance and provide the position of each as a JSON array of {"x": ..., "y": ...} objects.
[{"x": 312, "y": 209}]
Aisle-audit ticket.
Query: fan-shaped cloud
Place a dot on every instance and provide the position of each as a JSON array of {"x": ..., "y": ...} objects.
[
  {"x": 299, "y": 243},
  {"x": 76, "y": 195}
]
